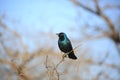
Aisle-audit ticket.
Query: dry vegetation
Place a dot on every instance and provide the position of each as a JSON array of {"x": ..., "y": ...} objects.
[{"x": 46, "y": 64}]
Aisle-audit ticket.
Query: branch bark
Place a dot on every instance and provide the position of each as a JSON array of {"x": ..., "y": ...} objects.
[{"x": 114, "y": 35}]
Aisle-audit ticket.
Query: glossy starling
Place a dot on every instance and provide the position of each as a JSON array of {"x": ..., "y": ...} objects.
[{"x": 65, "y": 45}]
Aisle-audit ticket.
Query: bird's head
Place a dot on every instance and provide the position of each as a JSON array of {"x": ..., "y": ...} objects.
[{"x": 61, "y": 35}]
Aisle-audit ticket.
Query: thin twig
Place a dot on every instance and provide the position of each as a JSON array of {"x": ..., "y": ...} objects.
[
  {"x": 99, "y": 12},
  {"x": 47, "y": 67},
  {"x": 115, "y": 34},
  {"x": 56, "y": 66}
]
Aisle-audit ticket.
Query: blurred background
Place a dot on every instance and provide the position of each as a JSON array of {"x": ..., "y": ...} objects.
[{"x": 29, "y": 45}]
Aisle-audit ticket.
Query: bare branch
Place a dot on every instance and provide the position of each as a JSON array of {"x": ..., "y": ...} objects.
[
  {"x": 115, "y": 34},
  {"x": 49, "y": 69},
  {"x": 109, "y": 6},
  {"x": 76, "y": 2},
  {"x": 14, "y": 33},
  {"x": 19, "y": 70}
]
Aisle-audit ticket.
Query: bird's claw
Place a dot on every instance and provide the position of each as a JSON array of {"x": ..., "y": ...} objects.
[{"x": 64, "y": 56}]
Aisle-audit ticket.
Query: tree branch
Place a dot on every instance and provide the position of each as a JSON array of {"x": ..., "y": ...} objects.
[{"x": 115, "y": 34}]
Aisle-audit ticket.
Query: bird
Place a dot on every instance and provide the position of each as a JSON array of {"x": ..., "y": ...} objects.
[{"x": 65, "y": 46}]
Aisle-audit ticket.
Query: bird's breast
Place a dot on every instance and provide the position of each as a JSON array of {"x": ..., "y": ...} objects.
[
  {"x": 64, "y": 42},
  {"x": 63, "y": 45}
]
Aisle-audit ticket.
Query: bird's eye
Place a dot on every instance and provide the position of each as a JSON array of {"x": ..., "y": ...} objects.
[{"x": 61, "y": 35}]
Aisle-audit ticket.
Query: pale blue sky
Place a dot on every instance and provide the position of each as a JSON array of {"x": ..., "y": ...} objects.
[
  {"x": 41, "y": 13},
  {"x": 30, "y": 17},
  {"x": 60, "y": 15}
]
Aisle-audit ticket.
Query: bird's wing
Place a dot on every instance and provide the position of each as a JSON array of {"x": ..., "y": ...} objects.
[{"x": 69, "y": 45}]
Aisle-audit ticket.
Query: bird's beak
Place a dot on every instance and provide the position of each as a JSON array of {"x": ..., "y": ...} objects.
[{"x": 57, "y": 33}]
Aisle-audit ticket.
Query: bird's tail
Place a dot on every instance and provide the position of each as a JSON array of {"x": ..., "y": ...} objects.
[{"x": 72, "y": 55}]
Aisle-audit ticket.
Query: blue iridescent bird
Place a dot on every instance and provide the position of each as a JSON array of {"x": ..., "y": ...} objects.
[{"x": 65, "y": 45}]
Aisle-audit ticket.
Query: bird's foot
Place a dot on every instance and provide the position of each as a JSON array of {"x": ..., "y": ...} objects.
[{"x": 64, "y": 56}]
